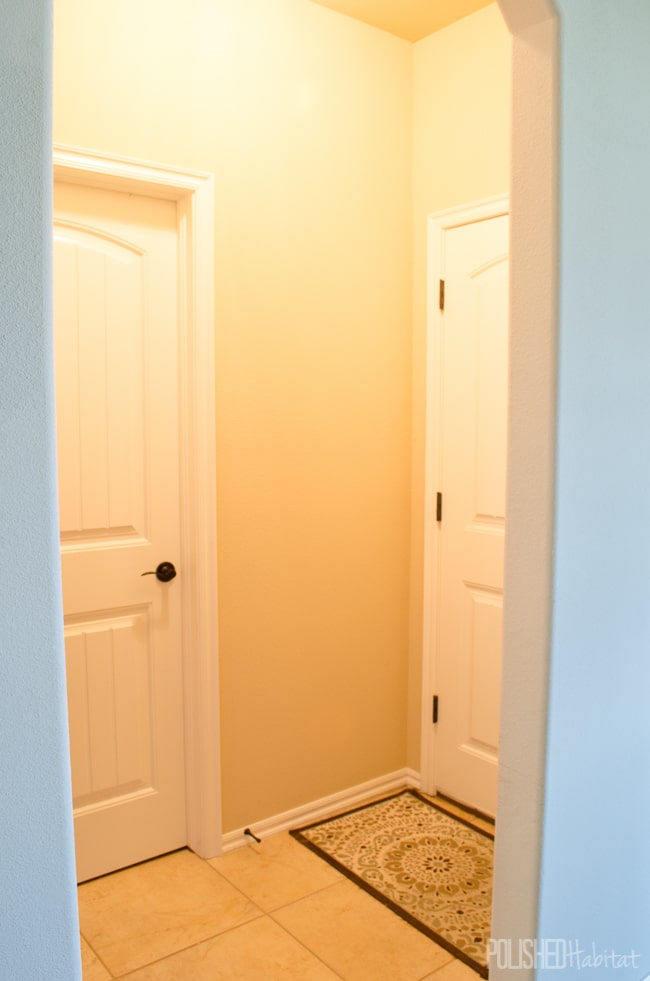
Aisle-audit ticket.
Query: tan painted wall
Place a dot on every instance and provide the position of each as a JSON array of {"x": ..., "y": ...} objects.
[
  {"x": 320, "y": 144},
  {"x": 461, "y": 140},
  {"x": 304, "y": 117}
]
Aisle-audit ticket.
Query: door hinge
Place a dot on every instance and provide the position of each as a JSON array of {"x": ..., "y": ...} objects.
[
  {"x": 438, "y": 506},
  {"x": 435, "y": 709},
  {"x": 441, "y": 295}
]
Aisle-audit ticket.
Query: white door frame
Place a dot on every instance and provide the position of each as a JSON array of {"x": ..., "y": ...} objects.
[
  {"x": 437, "y": 225},
  {"x": 194, "y": 195}
]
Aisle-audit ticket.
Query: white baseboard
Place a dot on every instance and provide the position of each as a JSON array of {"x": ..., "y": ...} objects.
[{"x": 320, "y": 809}]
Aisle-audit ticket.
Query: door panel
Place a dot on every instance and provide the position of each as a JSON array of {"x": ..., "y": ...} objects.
[
  {"x": 473, "y": 428},
  {"x": 109, "y": 676},
  {"x": 116, "y": 338}
]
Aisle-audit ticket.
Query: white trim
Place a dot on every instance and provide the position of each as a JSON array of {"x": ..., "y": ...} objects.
[
  {"x": 325, "y": 807},
  {"x": 534, "y": 266},
  {"x": 113, "y": 171},
  {"x": 195, "y": 196},
  {"x": 437, "y": 225}
]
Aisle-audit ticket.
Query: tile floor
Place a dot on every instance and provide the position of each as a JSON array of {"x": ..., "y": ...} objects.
[{"x": 269, "y": 911}]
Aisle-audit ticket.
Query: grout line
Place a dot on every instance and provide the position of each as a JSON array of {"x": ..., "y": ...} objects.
[
  {"x": 217, "y": 936},
  {"x": 304, "y": 946},
  {"x": 307, "y": 895},
  {"x": 442, "y": 967},
  {"x": 181, "y": 950},
  {"x": 309, "y": 950},
  {"x": 258, "y": 851},
  {"x": 260, "y": 913},
  {"x": 104, "y": 965}
]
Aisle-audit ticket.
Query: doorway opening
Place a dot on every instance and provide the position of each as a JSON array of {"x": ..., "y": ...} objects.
[
  {"x": 465, "y": 470},
  {"x": 531, "y": 432}
]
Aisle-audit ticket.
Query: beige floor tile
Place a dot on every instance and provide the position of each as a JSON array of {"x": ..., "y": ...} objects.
[
  {"x": 277, "y": 872},
  {"x": 359, "y": 938},
  {"x": 258, "y": 951},
  {"x": 455, "y": 971},
  {"x": 146, "y": 912},
  {"x": 92, "y": 968}
]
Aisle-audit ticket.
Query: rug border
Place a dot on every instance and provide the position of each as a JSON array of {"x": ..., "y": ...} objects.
[{"x": 375, "y": 893}]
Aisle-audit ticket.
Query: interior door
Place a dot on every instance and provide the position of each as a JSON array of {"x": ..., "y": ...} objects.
[
  {"x": 116, "y": 341},
  {"x": 472, "y": 472}
]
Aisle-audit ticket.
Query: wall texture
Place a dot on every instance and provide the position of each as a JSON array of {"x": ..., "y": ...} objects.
[
  {"x": 38, "y": 930},
  {"x": 304, "y": 117},
  {"x": 596, "y": 849}
]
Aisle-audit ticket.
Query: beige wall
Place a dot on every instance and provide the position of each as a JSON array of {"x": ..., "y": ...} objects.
[
  {"x": 304, "y": 117},
  {"x": 319, "y": 144},
  {"x": 461, "y": 141}
]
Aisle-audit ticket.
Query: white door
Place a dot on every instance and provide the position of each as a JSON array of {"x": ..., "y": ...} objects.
[
  {"x": 473, "y": 329},
  {"x": 116, "y": 342}
]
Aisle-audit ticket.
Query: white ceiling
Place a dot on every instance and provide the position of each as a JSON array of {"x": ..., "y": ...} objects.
[{"x": 410, "y": 19}]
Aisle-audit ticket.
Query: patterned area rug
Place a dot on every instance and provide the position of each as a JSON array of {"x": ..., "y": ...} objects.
[{"x": 431, "y": 868}]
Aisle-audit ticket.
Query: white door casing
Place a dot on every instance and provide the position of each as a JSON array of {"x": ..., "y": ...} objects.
[
  {"x": 185, "y": 200},
  {"x": 466, "y": 461}
]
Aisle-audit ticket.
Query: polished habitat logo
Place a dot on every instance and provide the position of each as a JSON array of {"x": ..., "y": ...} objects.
[{"x": 557, "y": 954}]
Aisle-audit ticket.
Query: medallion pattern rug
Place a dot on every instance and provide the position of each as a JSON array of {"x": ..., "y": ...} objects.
[{"x": 430, "y": 867}]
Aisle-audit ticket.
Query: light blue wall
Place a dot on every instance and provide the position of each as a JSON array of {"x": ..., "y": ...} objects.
[
  {"x": 596, "y": 852},
  {"x": 38, "y": 925},
  {"x": 596, "y": 855}
]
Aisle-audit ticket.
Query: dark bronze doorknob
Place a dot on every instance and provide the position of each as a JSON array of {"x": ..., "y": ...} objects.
[{"x": 164, "y": 572}]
